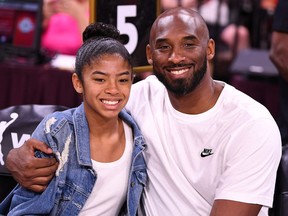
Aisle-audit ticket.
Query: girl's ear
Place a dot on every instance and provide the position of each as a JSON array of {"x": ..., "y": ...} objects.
[{"x": 77, "y": 83}]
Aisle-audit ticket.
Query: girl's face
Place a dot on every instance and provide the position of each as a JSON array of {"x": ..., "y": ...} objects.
[{"x": 106, "y": 86}]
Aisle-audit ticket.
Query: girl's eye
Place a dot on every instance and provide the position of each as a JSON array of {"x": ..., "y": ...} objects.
[
  {"x": 99, "y": 80},
  {"x": 123, "y": 80}
]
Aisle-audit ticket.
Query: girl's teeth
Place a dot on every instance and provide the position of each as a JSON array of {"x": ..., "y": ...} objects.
[{"x": 109, "y": 102}]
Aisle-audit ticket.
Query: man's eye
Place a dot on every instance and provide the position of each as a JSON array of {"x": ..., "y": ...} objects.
[
  {"x": 163, "y": 47},
  {"x": 188, "y": 45}
]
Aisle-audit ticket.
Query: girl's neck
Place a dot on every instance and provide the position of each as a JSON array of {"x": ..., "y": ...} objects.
[{"x": 107, "y": 142}]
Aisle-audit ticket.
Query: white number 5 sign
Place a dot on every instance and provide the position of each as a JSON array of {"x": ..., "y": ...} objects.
[
  {"x": 127, "y": 28},
  {"x": 133, "y": 18}
]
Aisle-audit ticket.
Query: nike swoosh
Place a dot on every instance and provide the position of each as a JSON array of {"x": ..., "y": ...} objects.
[{"x": 206, "y": 153}]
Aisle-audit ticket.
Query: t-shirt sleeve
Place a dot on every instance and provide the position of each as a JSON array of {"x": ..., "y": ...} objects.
[{"x": 252, "y": 160}]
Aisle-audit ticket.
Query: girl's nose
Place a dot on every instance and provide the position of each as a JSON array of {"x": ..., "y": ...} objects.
[{"x": 112, "y": 88}]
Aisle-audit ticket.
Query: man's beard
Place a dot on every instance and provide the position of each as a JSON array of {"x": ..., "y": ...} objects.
[{"x": 181, "y": 87}]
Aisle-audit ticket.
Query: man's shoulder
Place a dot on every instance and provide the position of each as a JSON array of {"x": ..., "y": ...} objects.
[
  {"x": 145, "y": 93},
  {"x": 148, "y": 85},
  {"x": 235, "y": 100},
  {"x": 149, "y": 80}
]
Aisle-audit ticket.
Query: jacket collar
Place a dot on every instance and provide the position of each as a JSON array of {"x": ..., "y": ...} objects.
[{"x": 82, "y": 134}]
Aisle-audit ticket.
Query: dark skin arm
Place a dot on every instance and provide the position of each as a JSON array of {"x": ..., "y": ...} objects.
[
  {"x": 31, "y": 172},
  {"x": 279, "y": 52},
  {"x": 228, "y": 208}
]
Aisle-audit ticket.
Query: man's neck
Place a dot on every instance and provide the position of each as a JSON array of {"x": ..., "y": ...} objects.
[{"x": 200, "y": 100}]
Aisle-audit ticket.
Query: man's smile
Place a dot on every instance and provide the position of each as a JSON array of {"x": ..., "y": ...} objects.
[{"x": 178, "y": 72}]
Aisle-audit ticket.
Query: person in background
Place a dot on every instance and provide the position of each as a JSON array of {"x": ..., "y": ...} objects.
[
  {"x": 211, "y": 149},
  {"x": 279, "y": 56},
  {"x": 227, "y": 24},
  {"x": 166, "y": 4},
  {"x": 99, "y": 147},
  {"x": 63, "y": 24}
]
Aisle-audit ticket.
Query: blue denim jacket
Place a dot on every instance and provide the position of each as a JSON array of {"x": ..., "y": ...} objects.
[{"x": 69, "y": 189}]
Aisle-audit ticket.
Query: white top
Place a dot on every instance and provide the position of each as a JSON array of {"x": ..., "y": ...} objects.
[
  {"x": 238, "y": 139},
  {"x": 109, "y": 192}
]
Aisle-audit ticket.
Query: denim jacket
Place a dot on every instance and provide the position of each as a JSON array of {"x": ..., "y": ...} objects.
[{"x": 67, "y": 133}]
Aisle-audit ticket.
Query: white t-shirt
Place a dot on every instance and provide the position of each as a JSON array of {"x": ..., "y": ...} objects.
[
  {"x": 110, "y": 189},
  {"x": 238, "y": 139}
]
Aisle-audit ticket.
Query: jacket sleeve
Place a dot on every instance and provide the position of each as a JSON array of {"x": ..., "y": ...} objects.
[{"x": 21, "y": 201}]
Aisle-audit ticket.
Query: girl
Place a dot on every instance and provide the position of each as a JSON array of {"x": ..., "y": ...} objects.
[{"x": 98, "y": 145}]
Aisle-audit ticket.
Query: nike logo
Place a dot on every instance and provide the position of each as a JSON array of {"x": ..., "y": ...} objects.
[{"x": 206, "y": 152}]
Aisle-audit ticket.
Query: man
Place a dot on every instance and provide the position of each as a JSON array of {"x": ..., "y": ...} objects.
[{"x": 211, "y": 150}]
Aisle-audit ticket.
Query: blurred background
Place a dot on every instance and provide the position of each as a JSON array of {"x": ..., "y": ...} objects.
[{"x": 39, "y": 40}]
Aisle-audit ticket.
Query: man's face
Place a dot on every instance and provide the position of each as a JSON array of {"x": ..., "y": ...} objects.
[{"x": 177, "y": 49}]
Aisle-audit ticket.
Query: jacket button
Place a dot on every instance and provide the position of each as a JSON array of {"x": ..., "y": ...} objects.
[{"x": 132, "y": 184}]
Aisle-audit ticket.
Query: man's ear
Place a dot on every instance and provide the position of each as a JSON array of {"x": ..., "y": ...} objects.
[
  {"x": 148, "y": 54},
  {"x": 210, "y": 49},
  {"x": 77, "y": 84}
]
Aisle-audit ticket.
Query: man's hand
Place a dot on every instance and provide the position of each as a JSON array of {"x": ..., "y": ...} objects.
[{"x": 31, "y": 172}]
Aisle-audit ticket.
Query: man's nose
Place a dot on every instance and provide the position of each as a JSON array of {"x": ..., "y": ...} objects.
[{"x": 176, "y": 56}]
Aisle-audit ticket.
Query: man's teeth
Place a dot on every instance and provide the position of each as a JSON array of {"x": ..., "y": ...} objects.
[
  {"x": 177, "y": 72},
  {"x": 110, "y": 102}
]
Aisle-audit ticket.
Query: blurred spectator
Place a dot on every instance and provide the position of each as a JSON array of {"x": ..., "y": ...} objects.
[
  {"x": 63, "y": 24},
  {"x": 269, "y": 5},
  {"x": 226, "y": 24},
  {"x": 278, "y": 55},
  {"x": 166, "y": 4}
]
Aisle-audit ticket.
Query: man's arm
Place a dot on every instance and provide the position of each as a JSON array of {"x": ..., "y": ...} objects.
[
  {"x": 228, "y": 208},
  {"x": 31, "y": 172}
]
